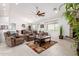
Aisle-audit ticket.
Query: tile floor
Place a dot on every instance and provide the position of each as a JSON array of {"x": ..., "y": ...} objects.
[{"x": 62, "y": 48}]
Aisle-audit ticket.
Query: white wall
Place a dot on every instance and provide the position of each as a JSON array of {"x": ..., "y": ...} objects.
[
  {"x": 26, "y": 13},
  {"x": 3, "y": 21},
  {"x": 61, "y": 21},
  {"x": 66, "y": 27}
]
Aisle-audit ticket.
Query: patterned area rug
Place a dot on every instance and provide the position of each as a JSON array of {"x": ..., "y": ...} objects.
[{"x": 39, "y": 49}]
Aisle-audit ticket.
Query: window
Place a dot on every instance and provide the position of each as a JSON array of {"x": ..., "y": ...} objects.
[
  {"x": 56, "y": 27},
  {"x": 53, "y": 27},
  {"x": 50, "y": 26},
  {"x": 34, "y": 27},
  {"x": 12, "y": 26}
]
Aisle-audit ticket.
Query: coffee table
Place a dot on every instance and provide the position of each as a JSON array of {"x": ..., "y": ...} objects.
[{"x": 41, "y": 39}]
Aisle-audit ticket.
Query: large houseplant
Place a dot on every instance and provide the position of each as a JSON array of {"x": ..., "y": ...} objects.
[
  {"x": 71, "y": 12},
  {"x": 61, "y": 33}
]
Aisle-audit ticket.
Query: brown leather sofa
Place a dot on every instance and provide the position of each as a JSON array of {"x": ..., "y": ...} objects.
[
  {"x": 43, "y": 33},
  {"x": 12, "y": 40},
  {"x": 28, "y": 35}
]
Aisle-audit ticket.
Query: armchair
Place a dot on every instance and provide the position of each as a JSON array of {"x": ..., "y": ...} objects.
[{"x": 12, "y": 40}]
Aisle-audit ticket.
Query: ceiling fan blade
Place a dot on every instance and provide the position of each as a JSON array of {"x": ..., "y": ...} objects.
[
  {"x": 42, "y": 13},
  {"x": 38, "y": 12}
]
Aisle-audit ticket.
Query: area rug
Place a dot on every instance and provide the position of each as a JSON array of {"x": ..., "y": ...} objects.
[{"x": 39, "y": 49}]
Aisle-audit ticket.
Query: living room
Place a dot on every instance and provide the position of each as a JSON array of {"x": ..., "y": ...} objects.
[{"x": 35, "y": 29}]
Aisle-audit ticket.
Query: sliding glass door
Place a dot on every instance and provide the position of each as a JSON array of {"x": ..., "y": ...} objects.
[{"x": 53, "y": 29}]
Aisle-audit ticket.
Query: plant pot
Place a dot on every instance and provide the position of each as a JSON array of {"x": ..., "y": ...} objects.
[
  {"x": 78, "y": 49},
  {"x": 60, "y": 37}
]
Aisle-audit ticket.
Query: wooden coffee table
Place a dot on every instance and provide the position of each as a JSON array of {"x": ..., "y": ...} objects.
[{"x": 41, "y": 40}]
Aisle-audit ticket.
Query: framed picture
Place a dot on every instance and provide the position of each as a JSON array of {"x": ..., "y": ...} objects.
[
  {"x": 3, "y": 27},
  {"x": 23, "y": 25},
  {"x": 42, "y": 26}
]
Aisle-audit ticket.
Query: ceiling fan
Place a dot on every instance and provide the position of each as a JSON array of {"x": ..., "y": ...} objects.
[{"x": 40, "y": 13}]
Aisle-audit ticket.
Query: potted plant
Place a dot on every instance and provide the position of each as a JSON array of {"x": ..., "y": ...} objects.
[
  {"x": 61, "y": 33},
  {"x": 71, "y": 12}
]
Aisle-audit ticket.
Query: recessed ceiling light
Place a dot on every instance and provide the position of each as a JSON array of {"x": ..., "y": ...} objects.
[
  {"x": 17, "y": 3},
  {"x": 3, "y": 4},
  {"x": 56, "y": 11}
]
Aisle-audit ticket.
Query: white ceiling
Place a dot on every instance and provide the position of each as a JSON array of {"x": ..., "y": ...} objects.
[{"x": 27, "y": 11}]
